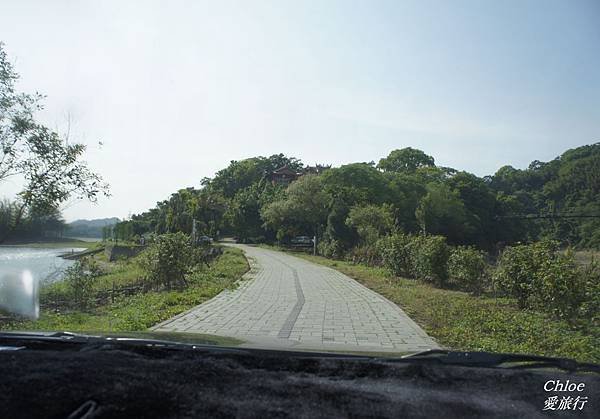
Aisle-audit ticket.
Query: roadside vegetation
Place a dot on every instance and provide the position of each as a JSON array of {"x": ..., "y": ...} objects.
[
  {"x": 502, "y": 256},
  {"x": 484, "y": 322},
  {"x": 134, "y": 294},
  {"x": 509, "y": 254},
  {"x": 352, "y": 205}
]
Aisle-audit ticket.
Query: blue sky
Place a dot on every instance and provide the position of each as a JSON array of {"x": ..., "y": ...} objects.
[{"x": 175, "y": 90}]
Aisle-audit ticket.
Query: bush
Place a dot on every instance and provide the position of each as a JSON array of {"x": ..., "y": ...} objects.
[
  {"x": 169, "y": 260},
  {"x": 539, "y": 276},
  {"x": 467, "y": 269},
  {"x": 394, "y": 253},
  {"x": 517, "y": 265},
  {"x": 558, "y": 286},
  {"x": 330, "y": 249},
  {"x": 420, "y": 257},
  {"x": 366, "y": 255},
  {"x": 428, "y": 257},
  {"x": 80, "y": 280},
  {"x": 590, "y": 307}
]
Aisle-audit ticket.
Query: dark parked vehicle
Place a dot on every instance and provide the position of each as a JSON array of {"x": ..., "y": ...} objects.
[
  {"x": 205, "y": 240},
  {"x": 302, "y": 241}
]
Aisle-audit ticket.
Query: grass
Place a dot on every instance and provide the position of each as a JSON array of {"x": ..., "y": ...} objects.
[
  {"x": 140, "y": 311},
  {"x": 461, "y": 321}
]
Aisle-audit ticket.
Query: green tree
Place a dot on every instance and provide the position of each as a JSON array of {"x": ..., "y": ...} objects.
[
  {"x": 441, "y": 212},
  {"x": 481, "y": 208},
  {"x": 303, "y": 210},
  {"x": 243, "y": 213},
  {"x": 51, "y": 166},
  {"x": 245, "y": 173},
  {"x": 371, "y": 221},
  {"x": 405, "y": 160}
]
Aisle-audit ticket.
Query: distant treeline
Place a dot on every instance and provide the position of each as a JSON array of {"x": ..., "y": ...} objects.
[
  {"x": 405, "y": 191},
  {"x": 90, "y": 228},
  {"x": 29, "y": 224},
  {"x": 19, "y": 224}
]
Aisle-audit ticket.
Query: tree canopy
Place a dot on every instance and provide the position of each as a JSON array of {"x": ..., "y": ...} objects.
[
  {"x": 405, "y": 160},
  {"x": 355, "y": 203},
  {"x": 50, "y": 166}
]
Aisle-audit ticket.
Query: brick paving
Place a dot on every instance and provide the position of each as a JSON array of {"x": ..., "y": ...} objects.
[{"x": 288, "y": 302}]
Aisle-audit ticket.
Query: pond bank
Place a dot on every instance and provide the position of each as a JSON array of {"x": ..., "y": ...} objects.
[{"x": 135, "y": 312}]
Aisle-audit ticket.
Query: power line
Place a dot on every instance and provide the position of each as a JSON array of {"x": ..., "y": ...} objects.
[{"x": 546, "y": 216}]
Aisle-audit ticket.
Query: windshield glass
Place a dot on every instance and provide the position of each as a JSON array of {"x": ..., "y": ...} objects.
[{"x": 376, "y": 177}]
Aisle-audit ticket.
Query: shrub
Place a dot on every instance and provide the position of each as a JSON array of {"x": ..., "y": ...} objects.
[
  {"x": 428, "y": 257},
  {"x": 394, "y": 253},
  {"x": 330, "y": 249},
  {"x": 539, "y": 276},
  {"x": 168, "y": 260},
  {"x": 590, "y": 307},
  {"x": 515, "y": 272},
  {"x": 467, "y": 269},
  {"x": 367, "y": 255},
  {"x": 80, "y": 280},
  {"x": 558, "y": 286},
  {"x": 420, "y": 257}
]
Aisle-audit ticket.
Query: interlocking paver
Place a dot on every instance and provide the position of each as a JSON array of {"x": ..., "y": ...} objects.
[{"x": 286, "y": 301}]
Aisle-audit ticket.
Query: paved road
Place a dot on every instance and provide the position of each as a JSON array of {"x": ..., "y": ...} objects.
[{"x": 288, "y": 302}]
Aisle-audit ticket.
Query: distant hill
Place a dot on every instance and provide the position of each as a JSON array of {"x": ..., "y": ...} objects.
[{"x": 89, "y": 228}]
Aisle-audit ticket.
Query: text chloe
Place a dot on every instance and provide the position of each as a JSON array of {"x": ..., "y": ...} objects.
[{"x": 557, "y": 385}]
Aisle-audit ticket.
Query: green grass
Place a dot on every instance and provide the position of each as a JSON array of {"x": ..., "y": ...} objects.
[
  {"x": 141, "y": 311},
  {"x": 461, "y": 321}
]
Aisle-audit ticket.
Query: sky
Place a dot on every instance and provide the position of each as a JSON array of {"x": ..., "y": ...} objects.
[{"x": 176, "y": 90}]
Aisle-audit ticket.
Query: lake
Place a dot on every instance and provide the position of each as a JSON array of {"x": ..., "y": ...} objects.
[{"x": 44, "y": 265}]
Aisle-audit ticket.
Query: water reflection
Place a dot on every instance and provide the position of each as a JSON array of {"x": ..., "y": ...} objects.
[{"x": 45, "y": 265}]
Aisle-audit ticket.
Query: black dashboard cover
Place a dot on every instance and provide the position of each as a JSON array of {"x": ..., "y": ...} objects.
[{"x": 107, "y": 382}]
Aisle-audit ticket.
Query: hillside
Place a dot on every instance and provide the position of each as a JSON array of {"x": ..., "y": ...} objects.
[
  {"x": 89, "y": 228},
  {"x": 276, "y": 198}
]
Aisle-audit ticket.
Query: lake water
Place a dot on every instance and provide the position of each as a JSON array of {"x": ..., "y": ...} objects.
[{"x": 43, "y": 264}]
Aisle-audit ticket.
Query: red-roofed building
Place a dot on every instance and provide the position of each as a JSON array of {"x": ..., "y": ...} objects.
[{"x": 283, "y": 176}]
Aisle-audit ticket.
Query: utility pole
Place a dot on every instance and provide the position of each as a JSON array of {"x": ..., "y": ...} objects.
[{"x": 194, "y": 241}]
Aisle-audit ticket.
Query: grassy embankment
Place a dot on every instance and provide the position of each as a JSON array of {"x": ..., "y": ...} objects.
[
  {"x": 461, "y": 321},
  {"x": 139, "y": 311}
]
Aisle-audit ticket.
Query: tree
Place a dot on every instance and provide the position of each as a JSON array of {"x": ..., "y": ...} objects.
[
  {"x": 567, "y": 185},
  {"x": 107, "y": 233},
  {"x": 356, "y": 183},
  {"x": 441, "y": 212},
  {"x": 244, "y": 173},
  {"x": 406, "y": 191},
  {"x": 303, "y": 210},
  {"x": 481, "y": 207},
  {"x": 33, "y": 224},
  {"x": 243, "y": 213},
  {"x": 50, "y": 166},
  {"x": 405, "y": 160},
  {"x": 371, "y": 221}
]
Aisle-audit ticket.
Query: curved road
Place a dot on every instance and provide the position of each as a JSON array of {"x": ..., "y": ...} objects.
[{"x": 288, "y": 302}]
